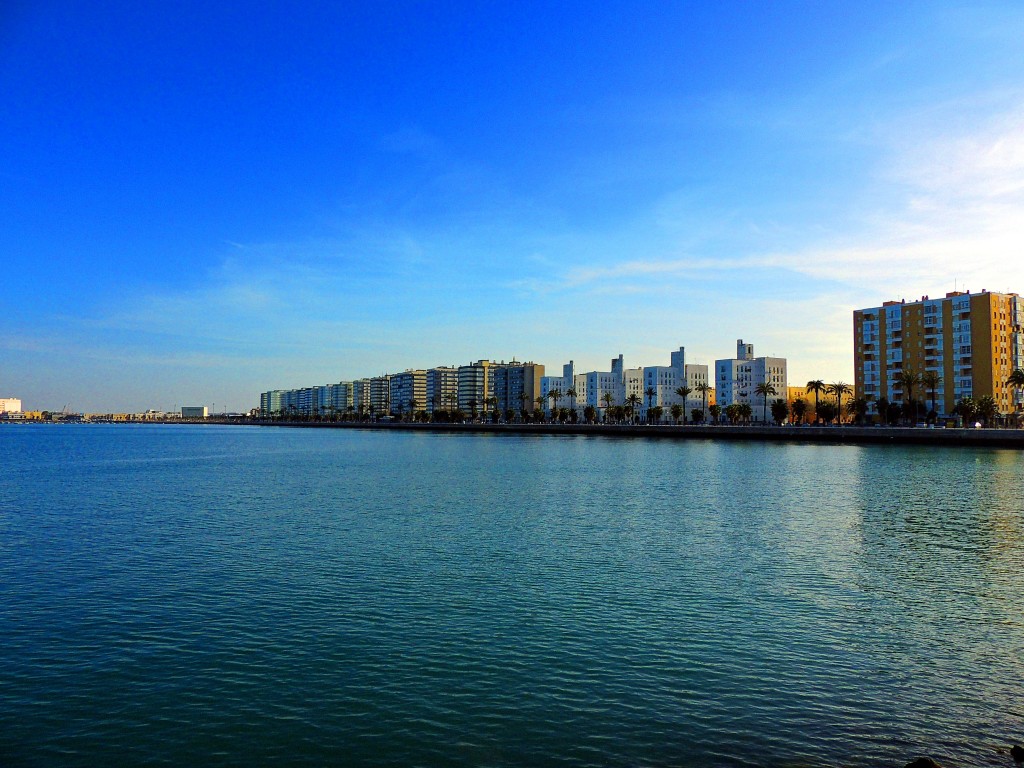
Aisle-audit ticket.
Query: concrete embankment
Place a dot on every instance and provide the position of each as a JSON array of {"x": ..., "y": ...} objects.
[{"x": 999, "y": 438}]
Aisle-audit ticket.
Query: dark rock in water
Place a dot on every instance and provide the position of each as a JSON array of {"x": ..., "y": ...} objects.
[
  {"x": 923, "y": 762},
  {"x": 1017, "y": 753}
]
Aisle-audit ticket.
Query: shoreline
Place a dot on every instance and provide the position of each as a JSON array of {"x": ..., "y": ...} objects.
[
  {"x": 826, "y": 435},
  {"x": 994, "y": 438}
]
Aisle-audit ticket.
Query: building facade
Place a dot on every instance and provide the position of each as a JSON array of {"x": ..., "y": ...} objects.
[
  {"x": 517, "y": 385},
  {"x": 736, "y": 380},
  {"x": 476, "y": 382},
  {"x": 971, "y": 343},
  {"x": 408, "y": 391},
  {"x": 10, "y": 405},
  {"x": 442, "y": 389}
]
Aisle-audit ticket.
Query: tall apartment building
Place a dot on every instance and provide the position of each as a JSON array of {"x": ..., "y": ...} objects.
[
  {"x": 361, "y": 396},
  {"x": 517, "y": 385},
  {"x": 973, "y": 342},
  {"x": 380, "y": 395},
  {"x": 476, "y": 382},
  {"x": 408, "y": 391},
  {"x": 339, "y": 397},
  {"x": 736, "y": 380},
  {"x": 442, "y": 392}
]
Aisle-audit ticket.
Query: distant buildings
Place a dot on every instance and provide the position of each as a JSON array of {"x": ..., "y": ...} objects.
[
  {"x": 485, "y": 386},
  {"x": 10, "y": 405},
  {"x": 737, "y": 379},
  {"x": 442, "y": 389},
  {"x": 970, "y": 344},
  {"x": 661, "y": 382}
]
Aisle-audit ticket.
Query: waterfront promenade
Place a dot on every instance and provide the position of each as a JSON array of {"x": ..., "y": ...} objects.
[{"x": 1000, "y": 438}]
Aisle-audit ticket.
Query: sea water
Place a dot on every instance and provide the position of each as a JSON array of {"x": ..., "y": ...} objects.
[{"x": 241, "y": 595}]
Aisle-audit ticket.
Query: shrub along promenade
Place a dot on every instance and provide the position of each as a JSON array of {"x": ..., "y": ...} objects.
[{"x": 998, "y": 438}]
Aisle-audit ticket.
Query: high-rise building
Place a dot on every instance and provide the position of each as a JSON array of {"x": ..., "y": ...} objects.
[
  {"x": 476, "y": 382},
  {"x": 380, "y": 395},
  {"x": 736, "y": 380},
  {"x": 517, "y": 385},
  {"x": 970, "y": 342},
  {"x": 361, "y": 396},
  {"x": 408, "y": 391},
  {"x": 442, "y": 389}
]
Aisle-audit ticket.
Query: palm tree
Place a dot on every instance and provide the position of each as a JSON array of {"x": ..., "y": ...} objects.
[
  {"x": 413, "y": 405},
  {"x": 715, "y": 411},
  {"x": 988, "y": 409},
  {"x": 746, "y": 411},
  {"x": 607, "y": 398},
  {"x": 704, "y": 388},
  {"x": 799, "y": 409},
  {"x": 555, "y": 395},
  {"x": 633, "y": 401},
  {"x": 684, "y": 392},
  {"x": 858, "y": 408},
  {"x": 650, "y": 392},
  {"x": 571, "y": 394},
  {"x": 839, "y": 389},
  {"x": 677, "y": 410},
  {"x": 907, "y": 379},
  {"x": 539, "y": 400},
  {"x": 967, "y": 409},
  {"x": 817, "y": 386},
  {"x": 780, "y": 410},
  {"x": 931, "y": 380},
  {"x": 1016, "y": 380},
  {"x": 765, "y": 389},
  {"x": 523, "y": 398}
]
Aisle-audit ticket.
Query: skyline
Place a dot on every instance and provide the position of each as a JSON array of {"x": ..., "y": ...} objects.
[{"x": 197, "y": 205}]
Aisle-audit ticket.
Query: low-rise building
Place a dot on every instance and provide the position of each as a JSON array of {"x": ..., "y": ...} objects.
[
  {"x": 737, "y": 379},
  {"x": 194, "y": 412}
]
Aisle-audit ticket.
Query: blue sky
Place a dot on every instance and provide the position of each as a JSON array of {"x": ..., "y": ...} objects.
[{"x": 198, "y": 204}]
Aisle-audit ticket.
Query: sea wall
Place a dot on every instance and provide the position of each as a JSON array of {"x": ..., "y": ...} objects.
[{"x": 1002, "y": 438}]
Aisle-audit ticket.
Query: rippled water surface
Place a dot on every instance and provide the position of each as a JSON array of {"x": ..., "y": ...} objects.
[{"x": 241, "y": 596}]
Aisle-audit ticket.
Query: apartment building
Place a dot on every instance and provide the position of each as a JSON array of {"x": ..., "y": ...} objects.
[
  {"x": 476, "y": 382},
  {"x": 664, "y": 380},
  {"x": 408, "y": 391},
  {"x": 517, "y": 385},
  {"x": 380, "y": 395},
  {"x": 442, "y": 392},
  {"x": 970, "y": 342},
  {"x": 10, "y": 405},
  {"x": 736, "y": 380}
]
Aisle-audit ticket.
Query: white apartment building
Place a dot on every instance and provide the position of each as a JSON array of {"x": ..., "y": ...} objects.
[
  {"x": 736, "y": 380},
  {"x": 664, "y": 380},
  {"x": 563, "y": 384},
  {"x": 10, "y": 405}
]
